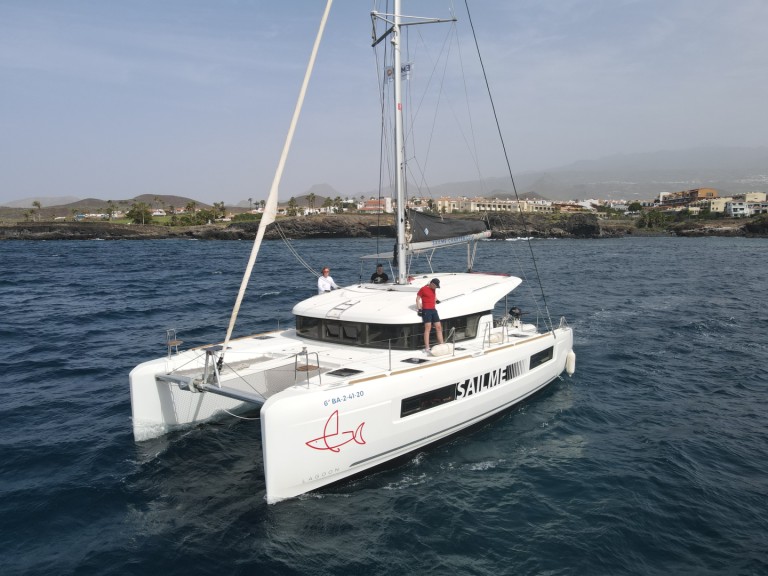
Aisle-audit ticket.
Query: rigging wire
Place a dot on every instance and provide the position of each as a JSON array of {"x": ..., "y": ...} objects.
[
  {"x": 299, "y": 258},
  {"x": 414, "y": 167},
  {"x": 383, "y": 135},
  {"x": 509, "y": 167},
  {"x": 238, "y": 416}
]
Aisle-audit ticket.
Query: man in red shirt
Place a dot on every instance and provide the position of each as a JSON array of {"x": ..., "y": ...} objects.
[{"x": 426, "y": 298}]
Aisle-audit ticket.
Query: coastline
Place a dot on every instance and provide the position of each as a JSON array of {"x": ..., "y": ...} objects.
[{"x": 503, "y": 226}]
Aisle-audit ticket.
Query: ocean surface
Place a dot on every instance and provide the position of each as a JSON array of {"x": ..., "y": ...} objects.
[{"x": 651, "y": 459}]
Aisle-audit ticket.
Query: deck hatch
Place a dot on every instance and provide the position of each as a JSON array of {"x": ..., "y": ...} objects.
[
  {"x": 416, "y": 360},
  {"x": 345, "y": 372}
]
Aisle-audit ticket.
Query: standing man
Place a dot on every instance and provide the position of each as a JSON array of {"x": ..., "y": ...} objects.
[
  {"x": 325, "y": 283},
  {"x": 426, "y": 298},
  {"x": 379, "y": 277}
]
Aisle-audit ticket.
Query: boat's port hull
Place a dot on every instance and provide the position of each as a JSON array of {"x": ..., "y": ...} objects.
[{"x": 255, "y": 369}]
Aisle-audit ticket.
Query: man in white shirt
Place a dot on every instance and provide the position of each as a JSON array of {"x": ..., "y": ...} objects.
[{"x": 325, "y": 283}]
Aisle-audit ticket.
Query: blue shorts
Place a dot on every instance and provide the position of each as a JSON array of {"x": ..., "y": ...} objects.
[{"x": 429, "y": 316}]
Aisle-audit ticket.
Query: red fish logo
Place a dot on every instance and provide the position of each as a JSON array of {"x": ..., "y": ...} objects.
[{"x": 333, "y": 440}]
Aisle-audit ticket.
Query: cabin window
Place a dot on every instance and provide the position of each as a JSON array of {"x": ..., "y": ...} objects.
[
  {"x": 350, "y": 332},
  {"x": 431, "y": 399},
  {"x": 465, "y": 326},
  {"x": 541, "y": 357},
  {"x": 332, "y": 331},
  {"x": 308, "y": 327},
  {"x": 396, "y": 336}
]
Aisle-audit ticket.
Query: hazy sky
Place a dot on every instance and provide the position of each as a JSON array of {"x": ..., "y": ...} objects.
[{"x": 112, "y": 99}]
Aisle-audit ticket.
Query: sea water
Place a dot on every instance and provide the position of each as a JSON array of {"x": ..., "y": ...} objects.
[{"x": 651, "y": 459}]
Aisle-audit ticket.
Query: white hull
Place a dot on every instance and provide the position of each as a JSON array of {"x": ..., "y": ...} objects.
[
  {"x": 321, "y": 426},
  {"x": 368, "y": 414},
  {"x": 348, "y": 389}
]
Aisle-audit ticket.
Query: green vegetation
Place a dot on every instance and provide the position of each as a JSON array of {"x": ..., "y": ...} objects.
[
  {"x": 140, "y": 213},
  {"x": 653, "y": 219},
  {"x": 246, "y": 217}
]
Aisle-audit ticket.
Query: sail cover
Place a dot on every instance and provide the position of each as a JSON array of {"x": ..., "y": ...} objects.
[{"x": 427, "y": 231}]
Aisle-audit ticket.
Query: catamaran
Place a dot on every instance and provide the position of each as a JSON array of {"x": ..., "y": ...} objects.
[{"x": 351, "y": 387}]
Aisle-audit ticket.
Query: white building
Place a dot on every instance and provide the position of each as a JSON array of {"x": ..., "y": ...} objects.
[
  {"x": 737, "y": 209},
  {"x": 447, "y": 205}
]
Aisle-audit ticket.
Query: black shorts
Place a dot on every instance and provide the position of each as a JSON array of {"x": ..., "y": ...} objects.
[{"x": 429, "y": 316}]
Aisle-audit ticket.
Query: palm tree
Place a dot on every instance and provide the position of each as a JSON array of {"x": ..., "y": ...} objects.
[
  {"x": 140, "y": 213},
  {"x": 250, "y": 204},
  {"x": 311, "y": 201},
  {"x": 292, "y": 207},
  {"x": 36, "y": 204}
]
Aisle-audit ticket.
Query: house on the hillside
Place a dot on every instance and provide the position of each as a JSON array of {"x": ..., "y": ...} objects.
[
  {"x": 383, "y": 206},
  {"x": 686, "y": 197}
]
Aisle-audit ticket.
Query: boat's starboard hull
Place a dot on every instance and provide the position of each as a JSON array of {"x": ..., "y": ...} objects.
[{"x": 314, "y": 437}]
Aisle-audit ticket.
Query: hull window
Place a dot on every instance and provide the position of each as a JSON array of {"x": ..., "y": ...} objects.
[
  {"x": 431, "y": 399},
  {"x": 541, "y": 357}
]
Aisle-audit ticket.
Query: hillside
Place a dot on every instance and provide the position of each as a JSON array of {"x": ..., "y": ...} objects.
[
  {"x": 730, "y": 170},
  {"x": 368, "y": 226}
]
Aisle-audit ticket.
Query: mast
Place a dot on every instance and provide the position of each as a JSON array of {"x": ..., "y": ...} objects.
[
  {"x": 396, "y": 21},
  {"x": 402, "y": 272}
]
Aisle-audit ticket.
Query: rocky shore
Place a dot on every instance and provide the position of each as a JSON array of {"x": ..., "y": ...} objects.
[{"x": 368, "y": 226}]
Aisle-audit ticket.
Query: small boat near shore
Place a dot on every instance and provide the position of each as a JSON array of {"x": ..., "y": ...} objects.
[{"x": 351, "y": 386}]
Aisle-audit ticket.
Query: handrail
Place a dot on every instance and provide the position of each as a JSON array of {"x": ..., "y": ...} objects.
[
  {"x": 489, "y": 331},
  {"x": 452, "y": 336},
  {"x": 307, "y": 366}
]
